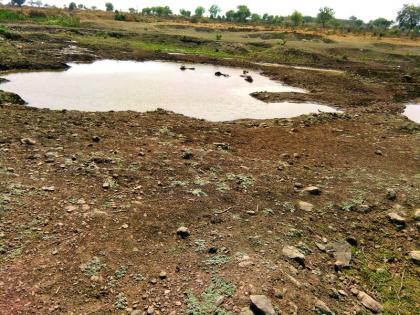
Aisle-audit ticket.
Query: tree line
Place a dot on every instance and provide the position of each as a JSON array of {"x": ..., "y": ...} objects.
[{"x": 408, "y": 18}]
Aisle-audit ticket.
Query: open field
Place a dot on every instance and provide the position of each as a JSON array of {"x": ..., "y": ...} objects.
[{"x": 90, "y": 203}]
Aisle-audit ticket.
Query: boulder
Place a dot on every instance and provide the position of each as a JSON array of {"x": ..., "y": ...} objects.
[
  {"x": 260, "y": 304},
  {"x": 293, "y": 253}
]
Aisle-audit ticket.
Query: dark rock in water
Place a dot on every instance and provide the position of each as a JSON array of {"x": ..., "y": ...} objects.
[
  {"x": 11, "y": 98},
  {"x": 245, "y": 72},
  {"x": 3, "y": 80},
  {"x": 249, "y": 79},
  {"x": 183, "y": 68},
  {"x": 219, "y": 74}
]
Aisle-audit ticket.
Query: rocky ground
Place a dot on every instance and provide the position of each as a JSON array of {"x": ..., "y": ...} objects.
[{"x": 157, "y": 213}]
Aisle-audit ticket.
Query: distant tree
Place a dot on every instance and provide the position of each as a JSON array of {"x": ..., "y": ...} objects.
[
  {"x": 185, "y": 13},
  {"x": 19, "y": 3},
  {"x": 93, "y": 7},
  {"x": 214, "y": 11},
  {"x": 230, "y": 15},
  {"x": 325, "y": 15},
  {"x": 109, "y": 6},
  {"x": 297, "y": 18},
  {"x": 255, "y": 17},
  {"x": 243, "y": 13},
  {"x": 199, "y": 12},
  {"x": 146, "y": 11},
  {"x": 80, "y": 6},
  {"x": 381, "y": 23},
  {"x": 72, "y": 6},
  {"x": 132, "y": 10},
  {"x": 409, "y": 17},
  {"x": 355, "y": 22}
]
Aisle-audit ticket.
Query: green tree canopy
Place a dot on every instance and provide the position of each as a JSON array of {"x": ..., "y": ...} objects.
[
  {"x": 199, "y": 12},
  {"x": 297, "y": 18},
  {"x": 381, "y": 23},
  {"x": 185, "y": 13},
  {"x": 109, "y": 6},
  {"x": 72, "y": 6},
  {"x": 409, "y": 17},
  {"x": 214, "y": 11},
  {"x": 243, "y": 13},
  {"x": 19, "y": 3},
  {"x": 325, "y": 15}
]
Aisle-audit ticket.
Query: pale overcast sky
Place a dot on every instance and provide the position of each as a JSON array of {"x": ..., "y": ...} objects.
[{"x": 364, "y": 9}]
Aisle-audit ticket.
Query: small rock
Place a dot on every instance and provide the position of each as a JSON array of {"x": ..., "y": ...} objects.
[
  {"x": 183, "y": 232},
  {"x": 391, "y": 194},
  {"x": 305, "y": 206},
  {"x": 370, "y": 303},
  {"x": 28, "y": 141},
  {"x": 260, "y": 304},
  {"x": 48, "y": 188},
  {"x": 220, "y": 300},
  {"x": 187, "y": 155},
  {"x": 379, "y": 152},
  {"x": 293, "y": 253},
  {"x": 125, "y": 226},
  {"x": 246, "y": 311},
  {"x": 106, "y": 185},
  {"x": 417, "y": 215},
  {"x": 322, "y": 308},
  {"x": 342, "y": 254},
  {"x": 415, "y": 256},
  {"x": 70, "y": 208},
  {"x": 96, "y": 139},
  {"x": 351, "y": 240},
  {"x": 163, "y": 275},
  {"x": 312, "y": 190},
  {"x": 396, "y": 218}
]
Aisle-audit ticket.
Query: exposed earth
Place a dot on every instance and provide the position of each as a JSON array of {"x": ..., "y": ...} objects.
[{"x": 158, "y": 213}]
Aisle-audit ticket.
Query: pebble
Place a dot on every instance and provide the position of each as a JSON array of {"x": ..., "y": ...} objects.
[
  {"x": 415, "y": 256},
  {"x": 370, "y": 303},
  {"x": 322, "y": 308},
  {"x": 396, "y": 218},
  {"x": 417, "y": 215},
  {"x": 391, "y": 194},
  {"x": 260, "y": 304},
  {"x": 163, "y": 275},
  {"x": 305, "y": 206},
  {"x": 293, "y": 253},
  {"x": 312, "y": 190},
  {"x": 183, "y": 232},
  {"x": 28, "y": 141}
]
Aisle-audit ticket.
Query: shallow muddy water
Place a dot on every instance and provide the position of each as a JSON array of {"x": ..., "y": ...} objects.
[
  {"x": 144, "y": 86},
  {"x": 412, "y": 112}
]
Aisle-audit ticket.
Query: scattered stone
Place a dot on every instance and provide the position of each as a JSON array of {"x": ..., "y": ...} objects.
[
  {"x": 312, "y": 190},
  {"x": 260, "y": 304},
  {"x": 187, "y": 155},
  {"x": 220, "y": 300},
  {"x": 322, "y": 308},
  {"x": 183, "y": 232},
  {"x": 223, "y": 146},
  {"x": 246, "y": 311},
  {"x": 28, "y": 141},
  {"x": 369, "y": 302},
  {"x": 106, "y": 185},
  {"x": 342, "y": 253},
  {"x": 379, "y": 152},
  {"x": 396, "y": 218},
  {"x": 163, "y": 275},
  {"x": 293, "y": 253},
  {"x": 125, "y": 226},
  {"x": 417, "y": 215},
  {"x": 305, "y": 206},
  {"x": 351, "y": 240},
  {"x": 415, "y": 256},
  {"x": 96, "y": 139},
  {"x": 391, "y": 194},
  {"x": 70, "y": 208},
  {"x": 48, "y": 188}
]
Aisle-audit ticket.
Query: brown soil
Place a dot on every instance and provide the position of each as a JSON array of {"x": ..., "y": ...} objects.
[{"x": 90, "y": 204}]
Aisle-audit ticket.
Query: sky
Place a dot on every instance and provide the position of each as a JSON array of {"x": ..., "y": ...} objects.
[{"x": 363, "y": 9}]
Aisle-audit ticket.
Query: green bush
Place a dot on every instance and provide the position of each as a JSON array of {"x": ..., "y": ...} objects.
[{"x": 9, "y": 15}]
